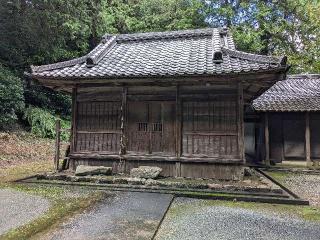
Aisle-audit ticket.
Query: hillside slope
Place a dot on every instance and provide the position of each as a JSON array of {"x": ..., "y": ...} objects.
[{"x": 23, "y": 154}]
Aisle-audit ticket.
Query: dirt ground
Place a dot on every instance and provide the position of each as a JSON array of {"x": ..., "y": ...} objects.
[
  {"x": 23, "y": 154},
  {"x": 22, "y": 147}
]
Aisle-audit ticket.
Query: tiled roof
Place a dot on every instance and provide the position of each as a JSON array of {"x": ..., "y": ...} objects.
[
  {"x": 296, "y": 93},
  {"x": 208, "y": 51}
]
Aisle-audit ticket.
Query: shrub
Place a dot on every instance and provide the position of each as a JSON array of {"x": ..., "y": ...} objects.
[
  {"x": 42, "y": 123},
  {"x": 46, "y": 98},
  {"x": 11, "y": 97}
]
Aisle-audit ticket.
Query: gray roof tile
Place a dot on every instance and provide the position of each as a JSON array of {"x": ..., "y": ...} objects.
[
  {"x": 296, "y": 93},
  {"x": 176, "y": 53}
]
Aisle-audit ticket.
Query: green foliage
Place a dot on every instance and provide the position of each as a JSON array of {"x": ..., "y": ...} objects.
[
  {"x": 45, "y": 98},
  {"x": 279, "y": 27},
  {"x": 11, "y": 97},
  {"x": 149, "y": 15},
  {"x": 42, "y": 123},
  {"x": 40, "y": 32}
]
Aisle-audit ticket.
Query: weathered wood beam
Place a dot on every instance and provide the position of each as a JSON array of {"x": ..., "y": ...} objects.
[
  {"x": 178, "y": 130},
  {"x": 57, "y": 145},
  {"x": 282, "y": 140},
  {"x": 153, "y": 97},
  {"x": 123, "y": 138},
  {"x": 307, "y": 139},
  {"x": 101, "y": 132},
  {"x": 218, "y": 133},
  {"x": 266, "y": 139},
  {"x": 178, "y": 122},
  {"x": 240, "y": 122},
  {"x": 74, "y": 110},
  {"x": 150, "y": 97},
  {"x": 160, "y": 158}
]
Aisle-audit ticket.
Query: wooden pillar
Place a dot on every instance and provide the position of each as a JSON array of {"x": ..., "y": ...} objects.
[
  {"x": 178, "y": 126},
  {"x": 123, "y": 127},
  {"x": 282, "y": 139},
  {"x": 123, "y": 138},
  {"x": 57, "y": 145},
  {"x": 241, "y": 122},
  {"x": 266, "y": 139},
  {"x": 74, "y": 110},
  {"x": 307, "y": 139}
]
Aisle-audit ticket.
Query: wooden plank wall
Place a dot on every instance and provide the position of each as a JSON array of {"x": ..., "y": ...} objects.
[
  {"x": 98, "y": 126},
  {"x": 208, "y": 121},
  {"x": 210, "y": 128},
  {"x": 289, "y": 135}
]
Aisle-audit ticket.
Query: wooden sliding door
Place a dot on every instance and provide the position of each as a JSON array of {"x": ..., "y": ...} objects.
[{"x": 151, "y": 127}]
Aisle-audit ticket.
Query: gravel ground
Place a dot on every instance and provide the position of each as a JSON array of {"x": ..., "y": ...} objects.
[
  {"x": 306, "y": 186},
  {"x": 123, "y": 216},
  {"x": 18, "y": 208},
  {"x": 193, "y": 219}
]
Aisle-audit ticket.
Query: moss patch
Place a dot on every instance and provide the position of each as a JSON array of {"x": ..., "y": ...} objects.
[{"x": 279, "y": 176}]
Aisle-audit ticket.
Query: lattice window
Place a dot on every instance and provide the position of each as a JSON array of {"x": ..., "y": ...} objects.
[
  {"x": 157, "y": 127},
  {"x": 142, "y": 126}
]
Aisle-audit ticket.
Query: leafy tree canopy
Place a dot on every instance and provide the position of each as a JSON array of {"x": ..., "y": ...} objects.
[
  {"x": 36, "y": 32},
  {"x": 280, "y": 27},
  {"x": 11, "y": 97}
]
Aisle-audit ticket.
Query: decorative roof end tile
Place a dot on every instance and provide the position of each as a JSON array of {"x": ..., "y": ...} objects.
[
  {"x": 94, "y": 57},
  {"x": 216, "y": 46},
  {"x": 283, "y": 61}
]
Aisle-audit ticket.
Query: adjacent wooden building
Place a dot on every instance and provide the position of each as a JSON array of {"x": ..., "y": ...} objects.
[
  {"x": 168, "y": 99},
  {"x": 290, "y": 114}
]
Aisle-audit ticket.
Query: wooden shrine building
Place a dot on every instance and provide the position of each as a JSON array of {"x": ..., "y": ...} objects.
[
  {"x": 291, "y": 116},
  {"x": 168, "y": 99}
]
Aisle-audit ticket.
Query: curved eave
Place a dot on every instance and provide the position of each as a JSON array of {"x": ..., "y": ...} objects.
[{"x": 122, "y": 78}]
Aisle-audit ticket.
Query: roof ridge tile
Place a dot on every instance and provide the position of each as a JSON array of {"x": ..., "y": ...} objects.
[
  {"x": 63, "y": 64},
  {"x": 164, "y": 35},
  {"x": 254, "y": 57},
  {"x": 95, "y": 56}
]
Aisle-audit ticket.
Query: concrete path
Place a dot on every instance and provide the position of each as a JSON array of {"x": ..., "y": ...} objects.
[
  {"x": 190, "y": 219},
  {"x": 124, "y": 216},
  {"x": 18, "y": 208}
]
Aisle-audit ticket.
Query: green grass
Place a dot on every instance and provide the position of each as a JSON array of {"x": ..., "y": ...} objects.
[
  {"x": 279, "y": 176},
  {"x": 292, "y": 165},
  {"x": 23, "y": 170}
]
